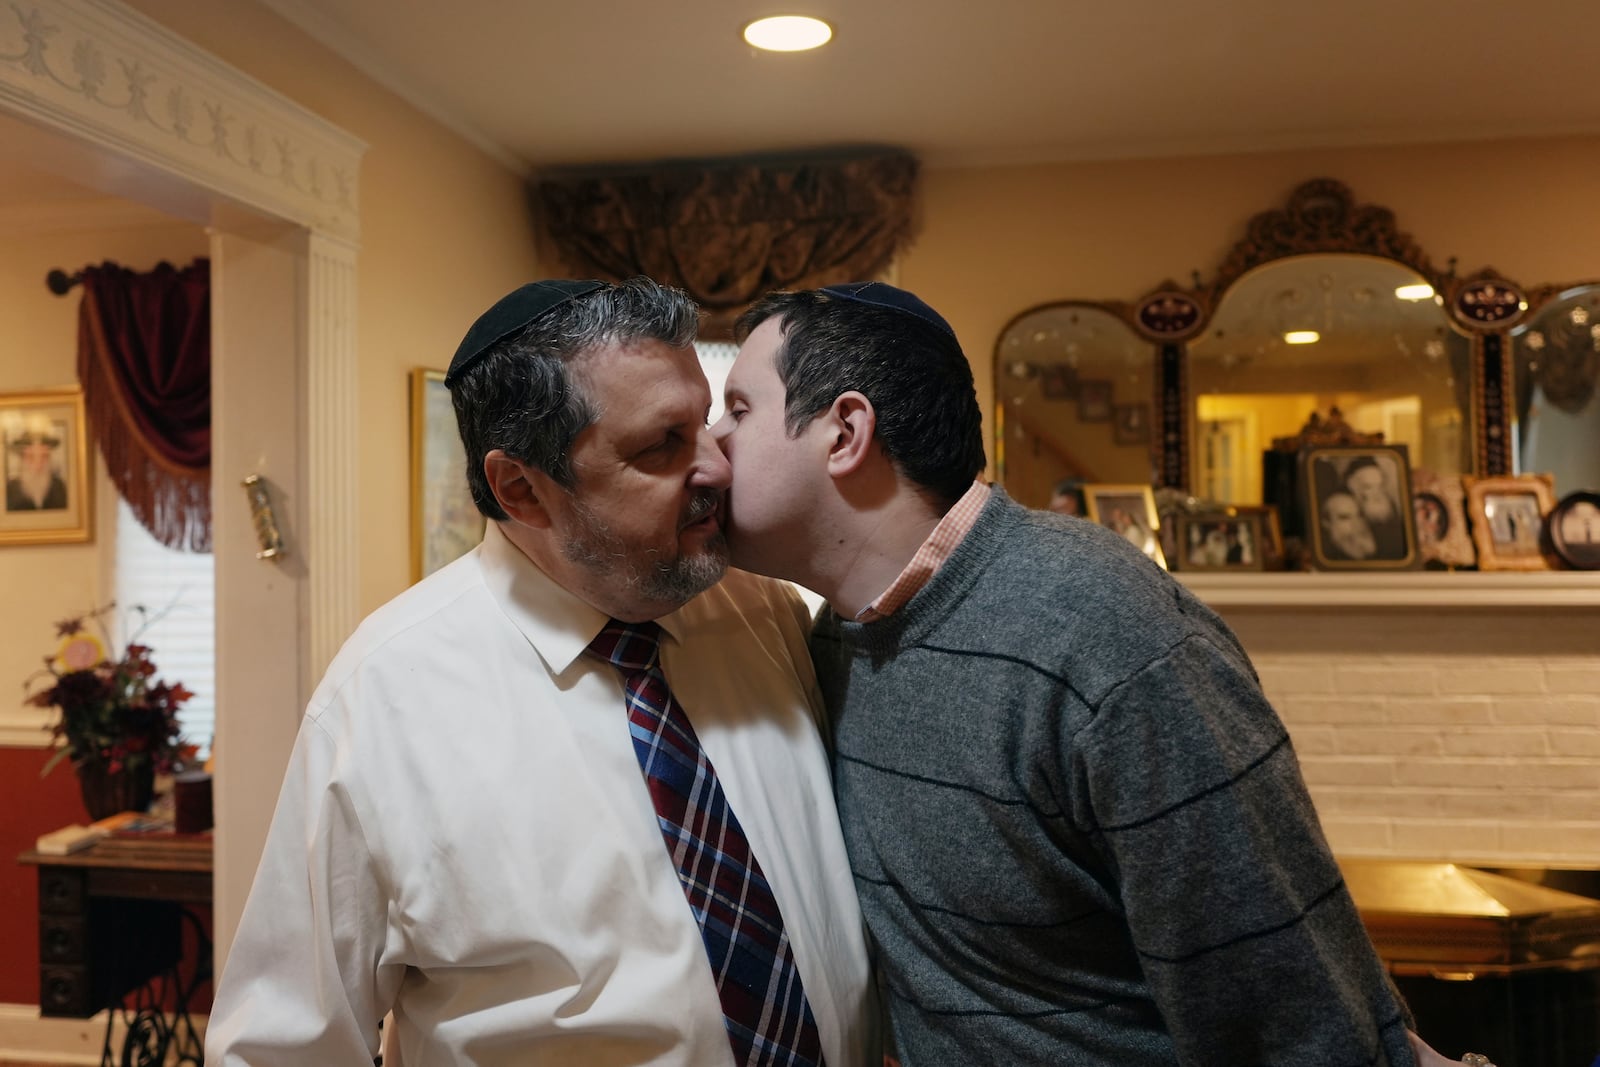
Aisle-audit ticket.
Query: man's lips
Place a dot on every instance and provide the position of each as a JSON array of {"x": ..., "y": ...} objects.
[{"x": 709, "y": 520}]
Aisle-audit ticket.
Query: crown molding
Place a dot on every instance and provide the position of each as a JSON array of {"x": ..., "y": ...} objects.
[
  {"x": 328, "y": 32},
  {"x": 100, "y": 71}
]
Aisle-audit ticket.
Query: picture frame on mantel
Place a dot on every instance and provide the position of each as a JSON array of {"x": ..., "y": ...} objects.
[
  {"x": 1220, "y": 541},
  {"x": 1439, "y": 505},
  {"x": 1508, "y": 519},
  {"x": 1129, "y": 510},
  {"x": 445, "y": 523},
  {"x": 1574, "y": 528},
  {"x": 47, "y": 461},
  {"x": 1358, "y": 508}
]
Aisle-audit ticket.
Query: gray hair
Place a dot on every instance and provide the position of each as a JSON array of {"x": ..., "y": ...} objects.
[{"x": 523, "y": 397}]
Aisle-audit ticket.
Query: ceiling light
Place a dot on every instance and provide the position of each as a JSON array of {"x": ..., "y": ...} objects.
[
  {"x": 788, "y": 33},
  {"x": 1421, "y": 291},
  {"x": 1302, "y": 337}
]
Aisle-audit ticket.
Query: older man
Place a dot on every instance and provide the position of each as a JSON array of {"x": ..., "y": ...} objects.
[
  {"x": 34, "y": 484},
  {"x": 565, "y": 801},
  {"x": 1346, "y": 534}
]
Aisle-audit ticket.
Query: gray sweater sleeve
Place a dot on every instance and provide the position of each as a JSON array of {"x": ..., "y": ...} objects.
[{"x": 1239, "y": 914}]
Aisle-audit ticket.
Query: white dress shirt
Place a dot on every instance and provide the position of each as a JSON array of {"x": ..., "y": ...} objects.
[{"x": 464, "y": 838}]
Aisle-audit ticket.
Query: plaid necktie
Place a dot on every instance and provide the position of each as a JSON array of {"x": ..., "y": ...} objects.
[{"x": 763, "y": 1004}]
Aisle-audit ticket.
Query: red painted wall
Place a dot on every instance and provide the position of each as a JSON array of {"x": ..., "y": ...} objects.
[{"x": 30, "y": 806}]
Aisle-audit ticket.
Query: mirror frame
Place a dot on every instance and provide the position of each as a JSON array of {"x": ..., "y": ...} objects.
[{"x": 1320, "y": 216}]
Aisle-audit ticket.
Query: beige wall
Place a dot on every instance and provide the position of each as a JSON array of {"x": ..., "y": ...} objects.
[
  {"x": 444, "y": 233},
  {"x": 445, "y": 230},
  {"x": 38, "y": 350},
  {"x": 997, "y": 241}
]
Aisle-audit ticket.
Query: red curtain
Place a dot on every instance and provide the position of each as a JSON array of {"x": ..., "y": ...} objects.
[{"x": 144, "y": 360}]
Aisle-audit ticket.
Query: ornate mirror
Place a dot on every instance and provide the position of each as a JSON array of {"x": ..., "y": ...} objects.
[
  {"x": 1324, "y": 304},
  {"x": 1557, "y": 359},
  {"x": 1073, "y": 383},
  {"x": 1361, "y": 335}
]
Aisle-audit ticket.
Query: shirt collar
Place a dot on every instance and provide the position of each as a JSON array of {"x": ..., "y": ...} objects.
[
  {"x": 930, "y": 556},
  {"x": 556, "y": 622}
]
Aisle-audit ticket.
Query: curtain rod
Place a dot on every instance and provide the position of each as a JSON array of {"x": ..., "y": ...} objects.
[{"x": 60, "y": 282}]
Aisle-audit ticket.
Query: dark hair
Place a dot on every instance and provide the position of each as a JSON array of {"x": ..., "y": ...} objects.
[
  {"x": 915, "y": 374},
  {"x": 522, "y": 397}
]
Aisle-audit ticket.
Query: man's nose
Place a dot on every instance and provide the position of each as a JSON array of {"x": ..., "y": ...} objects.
[
  {"x": 711, "y": 467},
  {"x": 721, "y": 429}
]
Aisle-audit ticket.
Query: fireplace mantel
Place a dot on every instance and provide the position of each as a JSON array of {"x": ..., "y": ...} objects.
[{"x": 1465, "y": 590}]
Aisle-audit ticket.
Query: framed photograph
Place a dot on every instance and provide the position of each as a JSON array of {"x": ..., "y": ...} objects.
[
  {"x": 1358, "y": 508},
  {"x": 445, "y": 523},
  {"x": 1057, "y": 381},
  {"x": 1271, "y": 532},
  {"x": 1574, "y": 526},
  {"x": 1218, "y": 541},
  {"x": 1507, "y": 516},
  {"x": 49, "y": 496},
  {"x": 1130, "y": 424},
  {"x": 1094, "y": 401},
  {"x": 1130, "y": 510},
  {"x": 1438, "y": 503}
]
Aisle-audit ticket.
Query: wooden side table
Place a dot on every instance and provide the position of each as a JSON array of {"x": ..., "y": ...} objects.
[{"x": 111, "y": 921}]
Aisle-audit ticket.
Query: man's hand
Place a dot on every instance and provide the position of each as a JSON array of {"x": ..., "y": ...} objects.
[{"x": 1427, "y": 1057}]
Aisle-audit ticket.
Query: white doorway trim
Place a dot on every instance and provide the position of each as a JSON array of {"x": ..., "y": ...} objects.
[{"x": 100, "y": 92}]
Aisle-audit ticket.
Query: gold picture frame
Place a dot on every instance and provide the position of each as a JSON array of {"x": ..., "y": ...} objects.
[
  {"x": 45, "y": 444},
  {"x": 445, "y": 523},
  {"x": 1508, "y": 516},
  {"x": 1129, "y": 510}
]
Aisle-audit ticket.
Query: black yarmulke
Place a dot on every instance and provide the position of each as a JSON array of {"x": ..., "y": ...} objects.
[
  {"x": 514, "y": 311},
  {"x": 879, "y": 294}
]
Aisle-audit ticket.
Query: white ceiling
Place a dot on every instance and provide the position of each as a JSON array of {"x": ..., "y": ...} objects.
[{"x": 965, "y": 82}]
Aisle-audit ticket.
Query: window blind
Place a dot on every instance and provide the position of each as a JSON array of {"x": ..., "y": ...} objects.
[{"x": 177, "y": 592}]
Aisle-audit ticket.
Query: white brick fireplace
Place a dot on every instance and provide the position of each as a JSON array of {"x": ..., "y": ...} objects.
[{"x": 1436, "y": 716}]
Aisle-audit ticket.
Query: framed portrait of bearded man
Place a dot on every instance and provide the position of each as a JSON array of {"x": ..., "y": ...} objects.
[
  {"x": 1358, "y": 508},
  {"x": 47, "y": 466}
]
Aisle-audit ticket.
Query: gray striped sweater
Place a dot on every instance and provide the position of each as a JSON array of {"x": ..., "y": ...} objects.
[{"x": 1079, "y": 831}]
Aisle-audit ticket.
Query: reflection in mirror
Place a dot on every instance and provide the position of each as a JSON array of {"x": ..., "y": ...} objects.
[
  {"x": 1309, "y": 333},
  {"x": 1557, "y": 359},
  {"x": 1074, "y": 385}
]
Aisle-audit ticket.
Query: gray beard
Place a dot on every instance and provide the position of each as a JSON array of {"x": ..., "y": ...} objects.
[
  {"x": 678, "y": 580},
  {"x": 36, "y": 484}
]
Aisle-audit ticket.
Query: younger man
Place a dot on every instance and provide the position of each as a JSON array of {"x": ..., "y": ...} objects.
[{"x": 1077, "y": 828}]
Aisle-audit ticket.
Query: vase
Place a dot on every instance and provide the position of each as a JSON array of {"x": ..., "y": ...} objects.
[{"x": 105, "y": 793}]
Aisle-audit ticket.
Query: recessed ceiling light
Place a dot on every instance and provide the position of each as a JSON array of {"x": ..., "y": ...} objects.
[
  {"x": 1302, "y": 337},
  {"x": 788, "y": 33},
  {"x": 1421, "y": 291}
]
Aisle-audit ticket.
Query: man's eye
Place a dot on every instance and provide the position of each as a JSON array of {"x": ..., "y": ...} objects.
[{"x": 737, "y": 413}]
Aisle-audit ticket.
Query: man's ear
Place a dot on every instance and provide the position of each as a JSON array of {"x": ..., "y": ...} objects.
[
  {"x": 852, "y": 426},
  {"x": 521, "y": 490}
]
